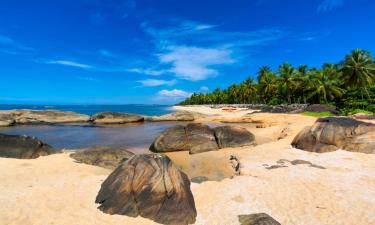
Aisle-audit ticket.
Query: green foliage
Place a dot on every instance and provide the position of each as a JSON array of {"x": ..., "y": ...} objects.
[
  {"x": 355, "y": 111},
  {"x": 348, "y": 85},
  {"x": 318, "y": 114}
]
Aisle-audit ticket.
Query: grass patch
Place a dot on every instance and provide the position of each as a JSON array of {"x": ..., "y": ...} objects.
[
  {"x": 318, "y": 114},
  {"x": 355, "y": 111}
]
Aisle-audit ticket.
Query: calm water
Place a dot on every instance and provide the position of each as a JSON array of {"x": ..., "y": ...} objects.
[
  {"x": 149, "y": 110},
  {"x": 134, "y": 136}
]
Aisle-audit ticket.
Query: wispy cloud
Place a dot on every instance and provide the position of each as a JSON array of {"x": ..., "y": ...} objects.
[
  {"x": 155, "y": 83},
  {"x": 172, "y": 95},
  {"x": 194, "y": 51},
  {"x": 70, "y": 63},
  {"x": 106, "y": 53},
  {"x": 13, "y": 47},
  {"x": 88, "y": 79},
  {"x": 151, "y": 72},
  {"x": 328, "y": 5}
]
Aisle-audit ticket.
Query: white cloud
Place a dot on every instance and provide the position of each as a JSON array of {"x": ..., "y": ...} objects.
[
  {"x": 88, "y": 79},
  {"x": 328, "y": 5},
  {"x": 194, "y": 51},
  {"x": 175, "y": 93},
  {"x": 193, "y": 63},
  {"x": 154, "y": 83},
  {"x": 70, "y": 63}
]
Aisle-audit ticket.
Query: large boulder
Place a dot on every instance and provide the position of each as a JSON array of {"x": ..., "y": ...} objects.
[
  {"x": 115, "y": 118},
  {"x": 231, "y": 136},
  {"x": 200, "y": 138},
  {"x": 150, "y": 186},
  {"x": 257, "y": 219},
  {"x": 332, "y": 133},
  {"x": 23, "y": 147},
  {"x": 177, "y": 116},
  {"x": 26, "y": 116},
  {"x": 321, "y": 108},
  {"x": 106, "y": 157},
  {"x": 6, "y": 120},
  {"x": 194, "y": 137}
]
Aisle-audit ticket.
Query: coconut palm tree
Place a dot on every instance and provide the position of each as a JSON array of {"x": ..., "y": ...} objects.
[
  {"x": 286, "y": 72},
  {"x": 358, "y": 70}
]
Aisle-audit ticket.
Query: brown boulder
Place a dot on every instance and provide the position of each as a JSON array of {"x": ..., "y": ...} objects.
[
  {"x": 333, "y": 133},
  {"x": 177, "y": 116},
  {"x": 106, "y": 157},
  {"x": 257, "y": 219},
  {"x": 194, "y": 137},
  {"x": 150, "y": 186},
  {"x": 115, "y": 118},
  {"x": 231, "y": 136},
  {"x": 23, "y": 147}
]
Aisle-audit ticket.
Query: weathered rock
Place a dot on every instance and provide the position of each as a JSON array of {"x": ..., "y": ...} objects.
[
  {"x": 332, "y": 133},
  {"x": 177, "y": 116},
  {"x": 41, "y": 117},
  {"x": 6, "y": 120},
  {"x": 363, "y": 116},
  {"x": 257, "y": 219},
  {"x": 172, "y": 139},
  {"x": 23, "y": 147},
  {"x": 115, "y": 118},
  {"x": 150, "y": 186},
  {"x": 231, "y": 136},
  {"x": 200, "y": 138},
  {"x": 321, "y": 108},
  {"x": 106, "y": 157}
]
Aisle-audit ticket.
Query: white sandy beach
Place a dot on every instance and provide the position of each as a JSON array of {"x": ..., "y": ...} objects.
[{"x": 56, "y": 190}]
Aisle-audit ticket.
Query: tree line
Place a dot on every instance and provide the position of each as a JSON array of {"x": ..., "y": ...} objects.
[{"x": 349, "y": 84}]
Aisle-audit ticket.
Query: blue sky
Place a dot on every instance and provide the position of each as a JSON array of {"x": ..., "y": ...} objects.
[{"x": 159, "y": 52}]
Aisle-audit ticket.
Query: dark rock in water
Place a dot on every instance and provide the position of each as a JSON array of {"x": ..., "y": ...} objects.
[
  {"x": 200, "y": 138},
  {"x": 106, "y": 157},
  {"x": 333, "y": 133},
  {"x": 172, "y": 139},
  {"x": 115, "y": 118},
  {"x": 321, "y": 108},
  {"x": 230, "y": 136},
  {"x": 199, "y": 179},
  {"x": 150, "y": 186},
  {"x": 23, "y": 147},
  {"x": 257, "y": 219}
]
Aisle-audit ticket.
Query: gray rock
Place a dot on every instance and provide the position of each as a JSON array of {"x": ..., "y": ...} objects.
[
  {"x": 231, "y": 136},
  {"x": 115, "y": 118},
  {"x": 257, "y": 219},
  {"x": 200, "y": 138},
  {"x": 106, "y": 157},
  {"x": 172, "y": 139},
  {"x": 333, "y": 133},
  {"x": 12, "y": 117},
  {"x": 150, "y": 186},
  {"x": 177, "y": 116},
  {"x": 23, "y": 147}
]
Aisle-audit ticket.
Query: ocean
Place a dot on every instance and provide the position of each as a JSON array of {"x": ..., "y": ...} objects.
[{"x": 148, "y": 110}]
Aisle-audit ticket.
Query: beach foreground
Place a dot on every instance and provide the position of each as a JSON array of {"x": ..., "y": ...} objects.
[{"x": 330, "y": 188}]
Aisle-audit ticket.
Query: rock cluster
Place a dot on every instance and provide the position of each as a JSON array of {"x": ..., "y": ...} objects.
[
  {"x": 115, "y": 118},
  {"x": 106, "y": 157},
  {"x": 197, "y": 138},
  {"x": 321, "y": 108},
  {"x": 333, "y": 133},
  {"x": 11, "y": 117},
  {"x": 150, "y": 186},
  {"x": 177, "y": 116},
  {"x": 23, "y": 147}
]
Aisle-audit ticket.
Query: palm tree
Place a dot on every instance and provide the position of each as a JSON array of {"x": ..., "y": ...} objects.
[
  {"x": 325, "y": 84},
  {"x": 262, "y": 72},
  {"x": 286, "y": 72},
  {"x": 358, "y": 70},
  {"x": 267, "y": 86}
]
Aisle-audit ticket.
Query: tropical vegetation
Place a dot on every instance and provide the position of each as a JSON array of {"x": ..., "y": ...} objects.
[{"x": 348, "y": 85}]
